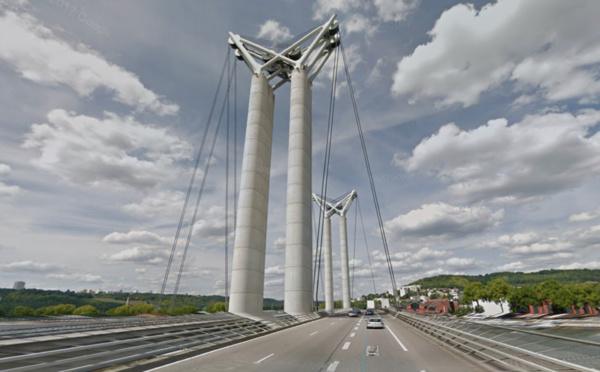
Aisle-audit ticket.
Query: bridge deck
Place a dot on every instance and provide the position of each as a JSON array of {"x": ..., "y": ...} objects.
[{"x": 333, "y": 345}]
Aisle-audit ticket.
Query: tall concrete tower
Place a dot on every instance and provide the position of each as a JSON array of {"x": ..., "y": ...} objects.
[
  {"x": 327, "y": 211},
  {"x": 341, "y": 208},
  {"x": 299, "y": 63}
]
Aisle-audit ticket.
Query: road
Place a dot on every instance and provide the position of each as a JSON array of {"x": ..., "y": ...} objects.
[{"x": 331, "y": 345}]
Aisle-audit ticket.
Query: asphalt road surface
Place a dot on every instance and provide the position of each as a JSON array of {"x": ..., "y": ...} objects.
[{"x": 332, "y": 345}]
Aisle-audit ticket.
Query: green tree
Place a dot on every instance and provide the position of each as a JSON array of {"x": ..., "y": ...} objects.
[
  {"x": 473, "y": 291},
  {"x": 23, "y": 311},
  {"x": 498, "y": 291},
  {"x": 216, "y": 307},
  {"x": 86, "y": 310},
  {"x": 60, "y": 309}
]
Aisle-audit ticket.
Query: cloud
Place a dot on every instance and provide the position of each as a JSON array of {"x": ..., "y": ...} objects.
[
  {"x": 5, "y": 189},
  {"x": 395, "y": 10},
  {"x": 136, "y": 237},
  {"x": 41, "y": 56},
  {"x": 472, "y": 51},
  {"x": 279, "y": 244},
  {"x": 458, "y": 263},
  {"x": 77, "y": 277},
  {"x": 274, "y": 270},
  {"x": 360, "y": 24},
  {"x": 211, "y": 225},
  {"x": 140, "y": 255},
  {"x": 29, "y": 267},
  {"x": 161, "y": 203},
  {"x": 273, "y": 31},
  {"x": 581, "y": 265},
  {"x": 532, "y": 244},
  {"x": 584, "y": 216},
  {"x": 512, "y": 266},
  {"x": 325, "y": 8},
  {"x": 542, "y": 154},
  {"x": 441, "y": 219},
  {"x": 113, "y": 150}
]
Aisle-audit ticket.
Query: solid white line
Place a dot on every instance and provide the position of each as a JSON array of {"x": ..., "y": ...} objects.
[
  {"x": 259, "y": 338},
  {"x": 346, "y": 345},
  {"x": 313, "y": 333},
  {"x": 397, "y": 339},
  {"x": 263, "y": 359},
  {"x": 333, "y": 366},
  {"x": 352, "y": 334}
]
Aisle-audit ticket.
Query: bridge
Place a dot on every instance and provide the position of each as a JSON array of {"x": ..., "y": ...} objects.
[{"x": 302, "y": 337}]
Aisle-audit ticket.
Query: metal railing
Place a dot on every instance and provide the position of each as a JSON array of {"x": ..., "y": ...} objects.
[{"x": 500, "y": 355}]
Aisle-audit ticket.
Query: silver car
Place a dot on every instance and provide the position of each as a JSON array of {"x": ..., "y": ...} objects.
[{"x": 375, "y": 323}]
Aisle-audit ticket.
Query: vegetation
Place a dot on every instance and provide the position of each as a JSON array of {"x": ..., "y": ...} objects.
[
  {"x": 36, "y": 302},
  {"x": 517, "y": 279}
]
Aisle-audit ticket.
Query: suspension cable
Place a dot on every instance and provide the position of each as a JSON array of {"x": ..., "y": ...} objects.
[
  {"x": 200, "y": 192},
  {"x": 191, "y": 183},
  {"x": 369, "y": 172},
  {"x": 364, "y": 231},
  {"x": 226, "y": 276},
  {"x": 353, "y": 253},
  {"x": 325, "y": 176}
]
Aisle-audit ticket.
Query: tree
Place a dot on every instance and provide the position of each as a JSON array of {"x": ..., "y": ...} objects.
[
  {"x": 498, "y": 291},
  {"x": 23, "y": 311},
  {"x": 86, "y": 310},
  {"x": 216, "y": 307},
  {"x": 473, "y": 292}
]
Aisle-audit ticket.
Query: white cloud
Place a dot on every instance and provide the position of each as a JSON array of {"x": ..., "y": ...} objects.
[
  {"x": 441, "y": 219},
  {"x": 512, "y": 266},
  {"x": 77, "y": 277},
  {"x": 472, "y": 51},
  {"x": 30, "y": 267},
  {"x": 581, "y": 265},
  {"x": 460, "y": 263},
  {"x": 584, "y": 216},
  {"x": 273, "y": 31},
  {"x": 136, "y": 237},
  {"x": 113, "y": 150},
  {"x": 543, "y": 154},
  {"x": 211, "y": 225},
  {"x": 279, "y": 244},
  {"x": 532, "y": 244},
  {"x": 41, "y": 56},
  {"x": 395, "y": 10},
  {"x": 4, "y": 169},
  {"x": 274, "y": 270},
  {"x": 140, "y": 255},
  {"x": 5, "y": 189},
  {"x": 162, "y": 203},
  {"x": 325, "y": 8},
  {"x": 360, "y": 24}
]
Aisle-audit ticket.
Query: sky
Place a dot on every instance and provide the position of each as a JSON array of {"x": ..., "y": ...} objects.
[{"x": 481, "y": 122}]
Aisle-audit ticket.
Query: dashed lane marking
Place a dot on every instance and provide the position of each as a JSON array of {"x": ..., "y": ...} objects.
[
  {"x": 263, "y": 359},
  {"x": 333, "y": 366},
  {"x": 352, "y": 334},
  {"x": 346, "y": 345},
  {"x": 313, "y": 333}
]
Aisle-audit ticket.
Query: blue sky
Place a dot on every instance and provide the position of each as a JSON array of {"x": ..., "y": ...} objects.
[{"x": 481, "y": 123}]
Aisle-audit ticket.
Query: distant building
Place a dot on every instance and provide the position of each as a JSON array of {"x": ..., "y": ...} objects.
[{"x": 19, "y": 285}]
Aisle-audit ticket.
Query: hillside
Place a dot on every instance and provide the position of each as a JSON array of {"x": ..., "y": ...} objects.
[
  {"x": 514, "y": 278},
  {"x": 103, "y": 301}
]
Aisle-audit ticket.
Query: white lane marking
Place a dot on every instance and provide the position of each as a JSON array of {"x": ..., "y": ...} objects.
[
  {"x": 397, "y": 339},
  {"x": 253, "y": 340},
  {"x": 263, "y": 359},
  {"x": 313, "y": 333},
  {"x": 333, "y": 366},
  {"x": 352, "y": 334},
  {"x": 346, "y": 345},
  {"x": 356, "y": 328}
]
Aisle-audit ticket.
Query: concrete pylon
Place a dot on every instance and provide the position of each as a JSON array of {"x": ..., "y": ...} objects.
[
  {"x": 298, "y": 250},
  {"x": 329, "y": 304},
  {"x": 248, "y": 268},
  {"x": 346, "y": 305}
]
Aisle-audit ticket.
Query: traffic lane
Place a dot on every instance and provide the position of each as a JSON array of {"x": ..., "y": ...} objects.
[
  {"x": 305, "y": 347},
  {"x": 387, "y": 352},
  {"x": 394, "y": 348},
  {"x": 428, "y": 355}
]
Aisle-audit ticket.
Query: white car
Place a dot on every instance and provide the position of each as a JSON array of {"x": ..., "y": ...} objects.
[{"x": 375, "y": 323}]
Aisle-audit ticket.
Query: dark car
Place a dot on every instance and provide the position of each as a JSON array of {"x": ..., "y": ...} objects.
[
  {"x": 370, "y": 312},
  {"x": 354, "y": 313}
]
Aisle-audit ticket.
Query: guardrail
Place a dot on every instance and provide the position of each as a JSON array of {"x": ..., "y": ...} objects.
[
  {"x": 492, "y": 352},
  {"x": 142, "y": 346}
]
